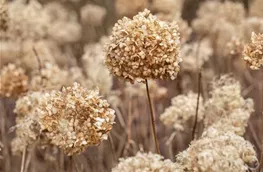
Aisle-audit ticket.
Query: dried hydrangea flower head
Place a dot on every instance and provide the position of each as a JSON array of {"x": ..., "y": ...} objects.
[
  {"x": 235, "y": 47},
  {"x": 146, "y": 162},
  {"x": 195, "y": 55},
  {"x": 51, "y": 77},
  {"x": 237, "y": 120},
  {"x": 13, "y": 81},
  {"x": 96, "y": 71},
  {"x": 216, "y": 151},
  {"x": 182, "y": 111},
  {"x": 144, "y": 48},
  {"x": 253, "y": 52},
  {"x": 27, "y": 121},
  {"x": 76, "y": 118},
  {"x": 227, "y": 104}
]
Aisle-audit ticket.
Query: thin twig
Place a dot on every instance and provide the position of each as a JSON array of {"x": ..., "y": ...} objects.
[
  {"x": 197, "y": 106},
  {"x": 22, "y": 169},
  {"x": 152, "y": 118}
]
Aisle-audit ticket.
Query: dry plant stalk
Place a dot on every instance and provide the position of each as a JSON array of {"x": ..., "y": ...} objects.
[{"x": 144, "y": 48}]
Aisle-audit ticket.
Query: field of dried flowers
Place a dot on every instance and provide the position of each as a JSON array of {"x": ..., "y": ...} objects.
[{"x": 131, "y": 86}]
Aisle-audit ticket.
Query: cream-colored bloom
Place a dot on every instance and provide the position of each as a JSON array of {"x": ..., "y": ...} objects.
[
  {"x": 218, "y": 151},
  {"x": 146, "y": 162},
  {"x": 13, "y": 81},
  {"x": 143, "y": 48},
  {"x": 76, "y": 118},
  {"x": 253, "y": 52},
  {"x": 182, "y": 111}
]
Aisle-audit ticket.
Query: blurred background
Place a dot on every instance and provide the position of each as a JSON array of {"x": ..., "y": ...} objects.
[{"x": 65, "y": 40}]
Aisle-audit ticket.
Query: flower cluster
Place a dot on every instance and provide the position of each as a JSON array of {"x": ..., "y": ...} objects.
[
  {"x": 146, "y": 162},
  {"x": 27, "y": 121},
  {"x": 226, "y": 108},
  {"x": 93, "y": 63},
  {"x": 253, "y": 52},
  {"x": 182, "y": 111},
  {"x": 194, "y": 55},
  {"x": 75, "y": 118},
  {"x": 13, "y": 81},
  {"x": 144, "y": 48},
  {"x": 218, "y": 151}
]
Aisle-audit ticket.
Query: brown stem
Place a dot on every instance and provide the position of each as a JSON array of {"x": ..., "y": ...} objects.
[
  {"x": 22, "y": 169},
  {"x": 3, "y": 118},
  {"x": 61, "y": 161},
  {"x": 197, "y": 106},
  {"x": 70, "y": 164},
  {"x": 152, "y": 118},
  {"x": 261, "y": 159}
]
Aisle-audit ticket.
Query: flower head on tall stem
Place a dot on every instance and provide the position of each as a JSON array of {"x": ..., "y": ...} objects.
[{"x": 144, "y": 48}]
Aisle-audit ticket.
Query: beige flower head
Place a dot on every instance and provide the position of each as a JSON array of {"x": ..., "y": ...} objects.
[
  {"x": 76, "y": 118},
  {"x": 146, "y": 162},
  {"x": 253, "y": 52},
  {"x": 13, "y": 81},
  {"x": 227, "y": 110},
  {"x": 218, "y": 151},
  {"x": 144, "y": 48},
  {"x": 182, "y": 111},
  {"x": 27, "y": 121}
]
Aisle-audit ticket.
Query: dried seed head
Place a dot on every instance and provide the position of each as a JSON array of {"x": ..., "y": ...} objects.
[
  {"x": 144, "y": 48},
  {"x": 51, "y": 77},
  {"x": 13, "y": 81},
  {"x": 235, "y": 47},
  {"x": 194, "y": 55},
  {"x": 227, "y": 109},
  {"x": 253, "y": 52},
  {"x": 27, "y": 121},
  {"x": 96, "y": 71},
  {"x": 146, "y": 162},
  {"x": 218, "y": 151},
  {"x": 182, "y": 111},
  {"x": 76, "y": 118}
]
